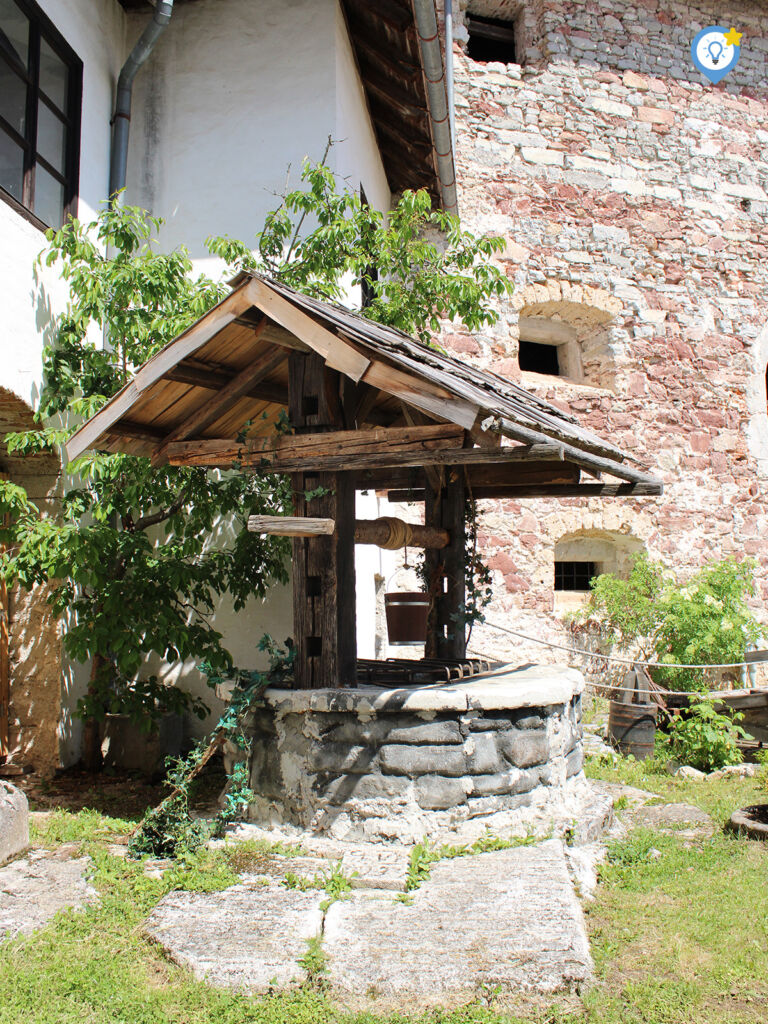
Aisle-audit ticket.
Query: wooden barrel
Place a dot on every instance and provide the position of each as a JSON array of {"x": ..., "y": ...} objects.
[
  {"x": 406, "y": 617},
  {"x": 632, "y": 728}
]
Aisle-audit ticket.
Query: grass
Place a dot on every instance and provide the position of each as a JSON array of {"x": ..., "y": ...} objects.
[{"x": 679, "y": 934}]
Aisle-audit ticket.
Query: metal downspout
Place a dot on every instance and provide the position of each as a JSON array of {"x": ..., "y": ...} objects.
[
  {"x": 121, "y": 120},
  {"x": 449, "y": 69},
  {"x": 437, "y": 99}
]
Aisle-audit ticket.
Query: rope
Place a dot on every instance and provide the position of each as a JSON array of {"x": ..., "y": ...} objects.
[
  {"x": 400, "y": 533},
  {"x": 610, "y": 657}
]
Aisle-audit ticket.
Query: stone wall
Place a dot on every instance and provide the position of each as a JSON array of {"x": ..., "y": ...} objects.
[
  {"x": 632, "y": 198},
  {"x": 379, "y": 764},
  {"x": 36, "y": 657}
]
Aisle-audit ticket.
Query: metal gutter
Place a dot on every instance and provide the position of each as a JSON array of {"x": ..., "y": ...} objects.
[
  {"x": 121, "y": 120},
  {"x": 437, "y": 100}
]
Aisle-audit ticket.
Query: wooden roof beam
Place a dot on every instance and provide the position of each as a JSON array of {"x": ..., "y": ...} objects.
[
  {"x": 351, "y": 450},
  {"x": 212, "y": 378}
]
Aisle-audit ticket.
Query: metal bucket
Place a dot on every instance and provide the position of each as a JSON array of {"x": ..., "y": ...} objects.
[
  {"x": 406, "y": 617},
  {"x": 632, "y": 728}
]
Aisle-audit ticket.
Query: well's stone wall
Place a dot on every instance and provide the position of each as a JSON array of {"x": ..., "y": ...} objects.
[
  {"x": 401, "y": 764},
  {"x": 632, "y": 198}
]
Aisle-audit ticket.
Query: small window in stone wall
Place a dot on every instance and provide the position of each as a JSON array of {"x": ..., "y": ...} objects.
[
  {"x": 575, "y": 575},
  {"x": 491, "y": 39},
  {"x": 537, "y": 358},
  {"x": 549, "y": 347}
]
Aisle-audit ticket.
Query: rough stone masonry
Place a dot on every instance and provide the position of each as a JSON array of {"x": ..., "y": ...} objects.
[
  {"x": 374, "y": 764},
  {"x": 632, "y": 196}
]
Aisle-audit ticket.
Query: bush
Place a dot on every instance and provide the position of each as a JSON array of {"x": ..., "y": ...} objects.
[
  {"x": 703, "y": 737},
  {"x": 651, "y": 615}
]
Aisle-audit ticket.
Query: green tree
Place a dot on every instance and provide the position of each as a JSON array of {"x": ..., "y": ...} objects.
[{"x": 129, "y": 553}]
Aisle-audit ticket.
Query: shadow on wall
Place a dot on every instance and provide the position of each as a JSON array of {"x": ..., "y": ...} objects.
[{"x": 35, "y": 651}]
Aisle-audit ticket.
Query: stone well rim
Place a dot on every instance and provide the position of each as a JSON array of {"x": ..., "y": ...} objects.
[{"x": 507, "y": 688}]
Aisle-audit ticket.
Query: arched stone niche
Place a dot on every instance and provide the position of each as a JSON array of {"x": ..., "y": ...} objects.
[
  {"x": 579, "y": 322},
  {"x": 608, "y": 550}
]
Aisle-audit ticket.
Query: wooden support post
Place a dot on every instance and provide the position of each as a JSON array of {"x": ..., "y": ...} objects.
[
  {"x": 323, "y": 566},
  {"x": 446, "y": 572}
]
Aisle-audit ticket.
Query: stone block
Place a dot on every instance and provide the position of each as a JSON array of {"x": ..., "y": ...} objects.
[
  {"x": 364, "y": 787},
  {"x": 655, "y": 115},
  {"x": 508, "y": 783},
  {"x": 437, "y": 793},
  {"x": 545, "y": 157},
  {"x": 341, "y": 757},
  {"x": 532, "y": 718},
  {"x": 489, "y": 724},
  {"x": 401, "y": 759},
  {"x": 482, "y": 754},
  {"x": 394, "y": 729},
  {"x": 524, "y": 749},
  {"x": 575, "y": 761},
  {"x": 14, "y": 821}
]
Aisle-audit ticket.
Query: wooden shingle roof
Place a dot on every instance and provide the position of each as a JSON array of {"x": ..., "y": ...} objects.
[{"x": 227, "y": 377}]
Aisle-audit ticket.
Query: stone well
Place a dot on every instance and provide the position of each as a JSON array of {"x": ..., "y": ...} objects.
[{"x": 501, "y": 751}]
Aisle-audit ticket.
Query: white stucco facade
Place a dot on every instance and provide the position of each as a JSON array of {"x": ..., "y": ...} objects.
[{"x": 234, "y": 94}]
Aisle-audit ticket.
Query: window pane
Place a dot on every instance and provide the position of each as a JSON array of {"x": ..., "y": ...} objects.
[
  {"x": 51, "y": 137},
  {"x": 49, "y": 198},
  {"x": 53, "y": 75},
  {"x": 13, "y": 98},
  {"x": 14, "y": 32},
  {"x": 11, "y": 166}
]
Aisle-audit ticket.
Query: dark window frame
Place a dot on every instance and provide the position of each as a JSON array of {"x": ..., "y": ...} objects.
[
  {"x": 495, "y": 34},
  {"x": 41, "y": 28},
  {"x": 573, "y": 575}
]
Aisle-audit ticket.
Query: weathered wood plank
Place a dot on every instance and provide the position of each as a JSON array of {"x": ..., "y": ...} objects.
[
  {"x": 338, "y": 354},
  {"x": 342, "y": 449},
  {"x": 291, "y": 526},
  {"x": 538, "y": 490},
  {"x": 213, "y": 378},
  {"x": 422, "y": 394},
  {"x": 216, "y": 406}
]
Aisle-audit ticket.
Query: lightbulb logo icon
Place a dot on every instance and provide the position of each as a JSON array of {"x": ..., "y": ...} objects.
[{"x": 716, "y": 51}]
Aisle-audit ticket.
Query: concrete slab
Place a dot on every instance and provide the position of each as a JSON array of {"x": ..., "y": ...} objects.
[
  {"x": 246, "y": 937},
  {"x": 36, "y": 887},
  {"x": 508, "y": 918}
]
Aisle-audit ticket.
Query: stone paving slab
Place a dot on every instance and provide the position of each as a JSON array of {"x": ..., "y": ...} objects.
[
  {"x": 507, "y": 918},
  {"x": 367, "y": 865},
  {"x": 14, "y": 821},
  {"x": 246, "y": 937},
  {"x": 36, "y": 887}
]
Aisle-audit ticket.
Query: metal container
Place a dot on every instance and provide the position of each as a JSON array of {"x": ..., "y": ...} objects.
[
  {"x": 632, "y": 728},
  {"x": 406, "y": 617}
]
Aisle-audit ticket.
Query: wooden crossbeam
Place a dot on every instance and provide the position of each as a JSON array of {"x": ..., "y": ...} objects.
[
  {"x": 540, "y": 491},
  {"x": 346, "y": 450},
  {"x": 213, "y": 378},
  {"x": 328, "y": 452}
]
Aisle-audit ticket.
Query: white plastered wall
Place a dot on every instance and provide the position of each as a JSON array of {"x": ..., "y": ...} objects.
[{"x": 95, "y": 29}]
